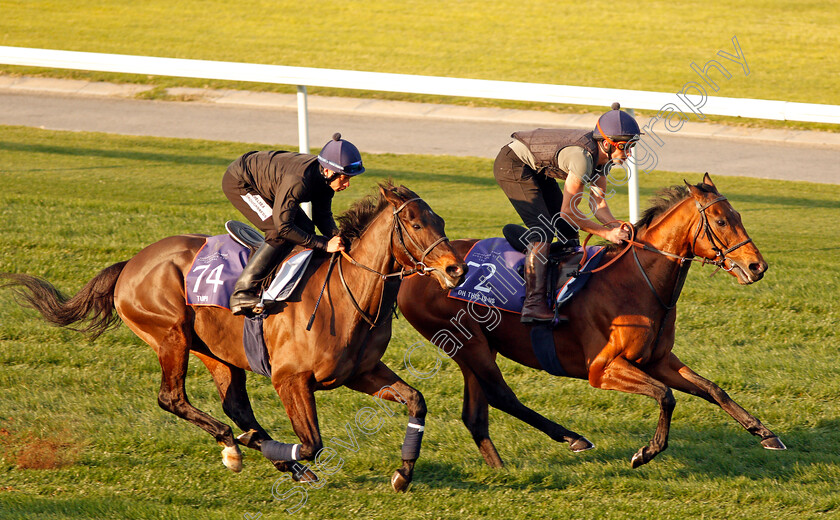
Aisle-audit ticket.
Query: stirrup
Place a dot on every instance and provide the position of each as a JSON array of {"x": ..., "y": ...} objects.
[
  {"x": 529, "y": 320},
  {"x": 536, "y": 319},
  {"x": 245, "y": 304}
]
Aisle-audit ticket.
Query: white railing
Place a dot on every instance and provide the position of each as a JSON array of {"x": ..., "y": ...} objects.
[{"x": 386, "y": 82}]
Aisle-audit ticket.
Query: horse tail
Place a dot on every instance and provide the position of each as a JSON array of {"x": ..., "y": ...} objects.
[{"x": 93, "y": 305}]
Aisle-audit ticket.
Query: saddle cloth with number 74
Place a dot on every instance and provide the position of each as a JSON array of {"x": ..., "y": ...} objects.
[{"x": 218, "y": 264}]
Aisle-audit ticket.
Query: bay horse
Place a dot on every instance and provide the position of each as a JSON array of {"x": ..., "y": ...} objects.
[
  {"x": 621, "y": 325},
  {"x": 390, "y": 236}
]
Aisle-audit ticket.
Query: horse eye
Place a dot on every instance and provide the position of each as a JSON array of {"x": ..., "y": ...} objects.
[
  {"x": 416, "y": 226},
  {"x": 721, "y": 222}
]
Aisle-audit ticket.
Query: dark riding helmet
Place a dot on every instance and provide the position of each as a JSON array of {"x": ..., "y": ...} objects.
[
  {"x": 341, "y": 156},
  {"x": 616, "y": 125}
]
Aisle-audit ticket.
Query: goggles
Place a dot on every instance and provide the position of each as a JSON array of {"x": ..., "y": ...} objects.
[
  {"x": 351, "y": 169},
  {"x": 621, "y": 145}
]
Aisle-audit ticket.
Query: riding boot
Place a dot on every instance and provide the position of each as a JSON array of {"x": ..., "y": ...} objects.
[
  {"x": 536, "y": 300},
  {"x": 246, "y": 292}
]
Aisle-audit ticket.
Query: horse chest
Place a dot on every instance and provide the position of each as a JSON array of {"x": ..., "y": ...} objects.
[
  {"x": 633, "y": 338},
  {"x": 359, "y": 355}
]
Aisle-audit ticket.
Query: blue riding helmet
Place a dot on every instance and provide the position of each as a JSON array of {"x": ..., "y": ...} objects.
[
  {"x": 341, "y": 157},
  {"x": 616, "y": 125}
]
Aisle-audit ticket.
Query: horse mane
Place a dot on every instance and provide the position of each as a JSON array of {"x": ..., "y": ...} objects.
[
  {"x": 663, "y": 200},
  {"x": 667, "y": 198},
  {"x": 355, "y": 220}
]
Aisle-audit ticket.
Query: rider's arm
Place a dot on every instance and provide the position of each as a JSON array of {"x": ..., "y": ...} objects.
[
  {"x": 597, "y": 193},
  {"x": 286, "y": 209},
  {"x": 572, "y": 197},
  {"x": 323, "y": 218}
]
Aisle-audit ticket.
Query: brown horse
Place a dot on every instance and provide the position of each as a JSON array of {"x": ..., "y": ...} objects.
[
  {"x": 390, "y": 236},
  {"x": 621, "y": 327}
]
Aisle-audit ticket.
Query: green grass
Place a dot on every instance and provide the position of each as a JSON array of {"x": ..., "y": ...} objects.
[
  {"x": 72, "y": 203},
  {"x": 789, "y": 46}
]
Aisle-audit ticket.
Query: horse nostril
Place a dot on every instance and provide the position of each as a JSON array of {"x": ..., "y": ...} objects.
[
  {"x": 758, "y": 267},
  {"x": 455, "y": 270}
]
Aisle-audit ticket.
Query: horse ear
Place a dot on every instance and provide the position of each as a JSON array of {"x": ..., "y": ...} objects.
[
  {"x": 708, "y": 180},
  {"x": 390, "y": 195},
  {"x": 694, "y": 190}
]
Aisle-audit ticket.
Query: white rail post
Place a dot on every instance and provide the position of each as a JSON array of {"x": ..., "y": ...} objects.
[
  {"x": 633, "y": 183},
  {"x": 303, "y": 119},
  {"x": 303, "y": 133}
]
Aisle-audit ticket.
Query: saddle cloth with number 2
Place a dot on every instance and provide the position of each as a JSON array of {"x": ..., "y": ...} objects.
[{"x": 493, "y": 279}]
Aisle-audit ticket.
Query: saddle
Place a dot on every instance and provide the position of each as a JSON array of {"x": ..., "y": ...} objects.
[
  {"x": 244, "y": 234},
  {"x": 283, "y": 278},
  {"x": 277, "y": 287},
  {"x": 563, "y": 259}
]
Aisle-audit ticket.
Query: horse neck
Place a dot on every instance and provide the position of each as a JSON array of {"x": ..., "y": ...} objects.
[
  {"x": 371, "y": 249},
  {"x": 672, "y": 231}
]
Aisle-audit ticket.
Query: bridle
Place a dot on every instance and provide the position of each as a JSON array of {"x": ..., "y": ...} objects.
[
  {"x": 717, "y": 245},
  {"x": 419, "y": 268},
  {"x": 715, "y": 241},
  {"x": 399, "y": 228}
]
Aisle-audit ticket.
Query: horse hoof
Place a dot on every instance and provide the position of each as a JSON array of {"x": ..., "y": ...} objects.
[
  {"x": 637, "y": 460},
  {"x": 232, "y": 458},
  {"x": 248, "y": 440},
  {"x": 580, "y": 444},
  {"x": 399, "y": 482},
  {"x": 307, "y": 476},
  {"x": 773, "y": 443}
]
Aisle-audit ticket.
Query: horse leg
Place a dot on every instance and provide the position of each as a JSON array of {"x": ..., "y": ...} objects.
[
  {"x": 383, "y": 383},
  {"x": 676, "y": 374},
  {"x": 173, "y": 353},
  {"x": 476, "y": 418},
  {"x": 623, "y": 376},
  {"x": 297, "y": 391},
  {"x": 500, "y": 396},
  {"x": 230, "y": 382}
]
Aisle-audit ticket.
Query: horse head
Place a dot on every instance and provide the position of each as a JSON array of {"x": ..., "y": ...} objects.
[
  {"x": 721, "y": 236},
  {"x": 419, "y": 241}
]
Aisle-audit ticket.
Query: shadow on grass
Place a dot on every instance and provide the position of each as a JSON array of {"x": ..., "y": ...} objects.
[
  {"x": 26, "y": 507},
  {"x": 116, "y": 154},
  {"x": 775, "y": 200},
  {"x": 706, "y": 454},
  {"x": 410, "y": 178}
]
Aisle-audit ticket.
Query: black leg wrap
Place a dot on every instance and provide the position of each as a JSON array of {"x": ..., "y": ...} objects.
[
  {"x": 273, "y": 450},
  {"x": 413, "y": 438}
]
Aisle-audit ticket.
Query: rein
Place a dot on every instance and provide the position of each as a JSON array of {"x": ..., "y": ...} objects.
[
  {"x": 716, "y": 243},
  {"x": 318, "y": 301},
  {"x": 685, "y": 261},
  {"x": 419, "y": 267},
  {"x": 372, "y": 322}
]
